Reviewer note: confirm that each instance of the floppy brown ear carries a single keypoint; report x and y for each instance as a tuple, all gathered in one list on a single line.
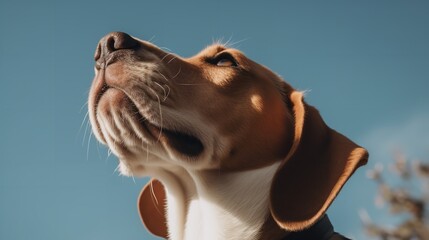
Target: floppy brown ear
[(151, 205), (319, 163)]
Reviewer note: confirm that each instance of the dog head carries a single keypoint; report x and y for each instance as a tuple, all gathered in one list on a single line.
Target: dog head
[(217, 110)]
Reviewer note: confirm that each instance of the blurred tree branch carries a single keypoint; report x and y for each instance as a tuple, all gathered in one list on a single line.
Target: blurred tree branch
[(399, 200)]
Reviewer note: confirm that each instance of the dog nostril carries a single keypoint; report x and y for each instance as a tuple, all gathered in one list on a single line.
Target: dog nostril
[(112, 42), (119, 40)]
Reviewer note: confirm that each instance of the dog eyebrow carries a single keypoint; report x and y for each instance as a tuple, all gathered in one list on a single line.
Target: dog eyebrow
[(212, 50)]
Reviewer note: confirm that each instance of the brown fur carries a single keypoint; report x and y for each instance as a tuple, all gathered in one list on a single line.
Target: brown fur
[(253, 116)]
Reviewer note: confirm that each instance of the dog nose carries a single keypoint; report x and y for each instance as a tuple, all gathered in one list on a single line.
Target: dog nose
[(112, 42)]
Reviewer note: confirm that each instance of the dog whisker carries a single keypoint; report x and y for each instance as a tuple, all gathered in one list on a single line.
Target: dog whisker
[(159, 85), (237, 42), (160, 117), (83, 106), (153, 193), (165, 48), (87, 147), (165, 92), (168, 93), (217, 41), (85, 120), (178, 72), (86, 127), (228, 43), (166, 79), (116, 170), (171, 60), (151, 39), (154, 198), (165, 56), (98, 150), (132, 176), (108, 156), (229, 40), (160, 112)]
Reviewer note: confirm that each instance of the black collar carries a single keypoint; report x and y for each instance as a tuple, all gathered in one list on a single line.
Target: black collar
[(321, 230)]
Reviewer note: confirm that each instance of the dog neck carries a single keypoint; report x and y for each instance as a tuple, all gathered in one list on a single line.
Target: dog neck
[(216, 205)]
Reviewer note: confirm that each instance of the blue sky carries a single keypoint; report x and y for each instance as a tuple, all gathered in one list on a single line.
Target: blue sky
[(365, 64)]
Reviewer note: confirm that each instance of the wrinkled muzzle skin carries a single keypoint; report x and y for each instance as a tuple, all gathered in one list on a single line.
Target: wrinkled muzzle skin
[(217, 110)]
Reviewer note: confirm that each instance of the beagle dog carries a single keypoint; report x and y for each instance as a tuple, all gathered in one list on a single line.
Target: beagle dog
[(234, 151)]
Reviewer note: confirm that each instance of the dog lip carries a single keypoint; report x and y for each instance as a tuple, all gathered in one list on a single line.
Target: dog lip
[(144, 122), (184, 143), (181, 141), (104, 61), (139, 118), (97, 90), (99, 65)]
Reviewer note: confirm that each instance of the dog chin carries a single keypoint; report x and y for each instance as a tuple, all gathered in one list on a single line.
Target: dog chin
[(131, 171)]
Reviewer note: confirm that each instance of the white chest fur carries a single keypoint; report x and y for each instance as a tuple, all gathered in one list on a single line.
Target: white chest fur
[(215, 205)]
